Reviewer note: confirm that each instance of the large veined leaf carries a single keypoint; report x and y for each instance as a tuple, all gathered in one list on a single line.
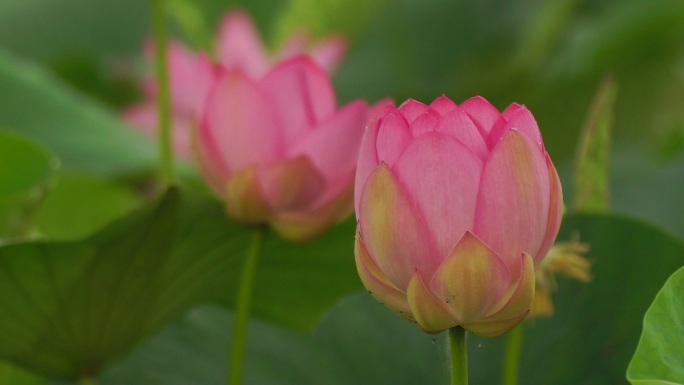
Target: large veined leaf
[(88, 201), (81, 133), (69, 309), (659, 358), (588, 341), (26, 169), (23, 164)]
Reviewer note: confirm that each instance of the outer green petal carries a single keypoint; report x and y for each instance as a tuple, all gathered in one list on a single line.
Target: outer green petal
[(377, 283), (431, 313), (472, 279), (291, 184), (244, 201), (521, 299), (308, 224)]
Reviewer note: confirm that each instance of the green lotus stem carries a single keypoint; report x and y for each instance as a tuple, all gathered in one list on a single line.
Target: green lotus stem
[(242, 307), (513, 352), (163, 97), (458, 347)]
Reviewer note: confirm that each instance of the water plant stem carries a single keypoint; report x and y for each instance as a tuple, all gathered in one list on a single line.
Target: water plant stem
[(242, 307), (163, 98), (511, 367), (459, 355)]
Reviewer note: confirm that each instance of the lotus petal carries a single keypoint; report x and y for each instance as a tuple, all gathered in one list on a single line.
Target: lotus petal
[(396, 235)]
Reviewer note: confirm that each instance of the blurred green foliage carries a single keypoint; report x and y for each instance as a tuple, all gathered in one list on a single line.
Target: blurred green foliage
[(590, 339), (80, 131), (12, 374), (592, 169)]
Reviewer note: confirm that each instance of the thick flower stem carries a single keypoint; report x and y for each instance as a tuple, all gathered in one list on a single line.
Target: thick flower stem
[(512, 361), (163, 97), (242, 307), (459, 355)]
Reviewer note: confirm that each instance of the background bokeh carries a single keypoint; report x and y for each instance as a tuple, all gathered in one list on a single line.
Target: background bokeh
[(549, 55)]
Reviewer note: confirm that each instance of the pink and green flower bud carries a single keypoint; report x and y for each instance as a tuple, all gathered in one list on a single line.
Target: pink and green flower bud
[(278, 150), (456, 204), (238, 45)]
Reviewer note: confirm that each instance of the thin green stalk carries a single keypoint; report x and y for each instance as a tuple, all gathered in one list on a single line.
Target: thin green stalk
[(242, 307), (511, 367), (458, 346), (163, 97)]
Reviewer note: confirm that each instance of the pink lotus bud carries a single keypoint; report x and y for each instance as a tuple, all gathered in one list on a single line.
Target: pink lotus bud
[(239, 45), (278, 150), (455, 206)]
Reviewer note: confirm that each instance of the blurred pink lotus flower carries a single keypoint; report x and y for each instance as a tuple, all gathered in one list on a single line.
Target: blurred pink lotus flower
[(238, 46), (455, 206), (278, 150)]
